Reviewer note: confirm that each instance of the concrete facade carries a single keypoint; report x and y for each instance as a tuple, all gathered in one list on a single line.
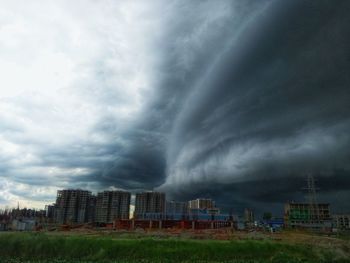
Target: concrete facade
[(173, 207), (341, 222), (72, 206), (23, 225), (112, 205), (201, 203), (3, 226), (248, 215), (305, 215), (149, 202)]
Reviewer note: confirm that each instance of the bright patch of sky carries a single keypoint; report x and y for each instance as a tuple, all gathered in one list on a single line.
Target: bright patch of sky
[(65, 67)]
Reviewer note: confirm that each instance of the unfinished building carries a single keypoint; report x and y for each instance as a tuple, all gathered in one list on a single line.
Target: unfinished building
[(149, 202), (201, 203), (72, 206), (341, 222), (173, 207), (112, 205), (305, 215), (91, 214)]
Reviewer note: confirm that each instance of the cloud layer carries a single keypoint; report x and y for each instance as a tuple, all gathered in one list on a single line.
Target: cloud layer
[(232, 100)]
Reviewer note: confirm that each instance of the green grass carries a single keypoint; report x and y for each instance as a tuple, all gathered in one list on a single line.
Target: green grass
[(35, 247)]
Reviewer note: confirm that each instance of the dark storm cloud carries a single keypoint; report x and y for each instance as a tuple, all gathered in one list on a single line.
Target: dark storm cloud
[(246, 98), (194, 35), (270, 193), (243, 113), (139, 166), (274, 104)]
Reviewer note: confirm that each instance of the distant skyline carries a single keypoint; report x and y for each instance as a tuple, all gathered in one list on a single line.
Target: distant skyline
[(231, 100)]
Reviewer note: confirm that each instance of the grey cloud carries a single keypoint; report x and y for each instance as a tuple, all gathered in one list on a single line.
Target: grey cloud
[(185, 48), (247, 97), (3, 200), (269, 193), (264, 90), (276, 101)]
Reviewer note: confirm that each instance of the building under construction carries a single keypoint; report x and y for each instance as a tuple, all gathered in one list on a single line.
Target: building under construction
[(174, 207), (310, 214), (112, 205), (149, 202), (201, 203), (203, 206), (305, 215), (108, 208), (341, 221), (91, 215), (72, 206)]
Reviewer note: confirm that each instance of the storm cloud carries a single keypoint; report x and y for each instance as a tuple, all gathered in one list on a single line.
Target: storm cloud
[(233, 100)]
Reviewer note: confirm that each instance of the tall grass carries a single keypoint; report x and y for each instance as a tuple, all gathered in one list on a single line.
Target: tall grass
[(21, 247)]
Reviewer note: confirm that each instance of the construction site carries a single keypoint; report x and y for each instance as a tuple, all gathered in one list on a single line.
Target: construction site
[(111, 210)]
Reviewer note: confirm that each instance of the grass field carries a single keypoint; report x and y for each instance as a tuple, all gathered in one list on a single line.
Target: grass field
[(41, 247)]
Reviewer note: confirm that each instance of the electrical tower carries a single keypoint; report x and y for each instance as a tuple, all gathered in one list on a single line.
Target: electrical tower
[(314, 214)]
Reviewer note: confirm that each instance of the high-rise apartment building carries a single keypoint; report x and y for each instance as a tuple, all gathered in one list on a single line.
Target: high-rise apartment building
[(91, 209), (72, 206), (111, 205), (149, 202)]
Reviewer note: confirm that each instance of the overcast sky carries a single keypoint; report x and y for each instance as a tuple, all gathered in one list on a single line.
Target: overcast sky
[(228, 99)]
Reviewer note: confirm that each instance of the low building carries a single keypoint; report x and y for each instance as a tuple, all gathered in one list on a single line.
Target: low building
[(341, 222), (239, 222), (210, 214), (3, 226), (193, 215), (213, 211), (23, 225), (305, 215), (273, 224)]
